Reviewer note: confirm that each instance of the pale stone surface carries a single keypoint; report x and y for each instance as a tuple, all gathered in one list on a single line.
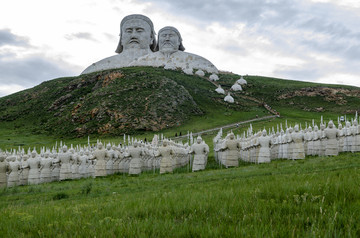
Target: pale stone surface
[(166, 153), (298, 150), (316, 140), (214, 77), (236, 87), (14, 168), (200, 151), (341, 137), (200, 73), (348, 137), (171, 55), (264, 142), (137, 38), (110, 158), (309, 140), (65, 158), (34, 173), (99, 156), (241, 81), (332, 145), (135, 153), (232, 148), (3, 169), (46, 166), (55, 173), (24, 170), (229, 98), (355, 131), (220, 90)]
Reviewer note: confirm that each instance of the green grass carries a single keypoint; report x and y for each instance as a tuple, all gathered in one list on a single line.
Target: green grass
[(316, 197)]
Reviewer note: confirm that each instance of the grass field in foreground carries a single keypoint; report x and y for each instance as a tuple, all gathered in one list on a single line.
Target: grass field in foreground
[(316, 197)]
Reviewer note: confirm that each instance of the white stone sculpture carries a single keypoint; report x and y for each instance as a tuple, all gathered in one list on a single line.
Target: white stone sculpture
[(171, 54), (264, 142), (166, 153), (214, 77), (220, 90), (24, 175), (232, 148), (236, 87), (65, 158), (55, 173), (135, 153), (309, 140), (298, 150), (14, 168), (229, 98), (200, 73), (45, 168), (83, 164), (341, 137), (241, 81), (110, 158), (137, 38), (200, 151), (99, 156), (355, 131), (34, 173), (332, 145), (348, 137), (4, 166), (316, 141), (323, 140)]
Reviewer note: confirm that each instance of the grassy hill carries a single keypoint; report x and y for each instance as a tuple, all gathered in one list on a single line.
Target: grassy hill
[(145, 100), (315, 197)]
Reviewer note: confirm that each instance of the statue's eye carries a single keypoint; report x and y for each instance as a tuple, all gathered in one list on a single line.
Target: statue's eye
[(128, 30), (139, 29)]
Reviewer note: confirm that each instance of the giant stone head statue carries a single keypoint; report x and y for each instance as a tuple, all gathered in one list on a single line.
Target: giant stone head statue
[(136, 32), (169, 40)]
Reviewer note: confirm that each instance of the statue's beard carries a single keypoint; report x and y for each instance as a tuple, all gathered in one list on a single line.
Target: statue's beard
[(168, 48)]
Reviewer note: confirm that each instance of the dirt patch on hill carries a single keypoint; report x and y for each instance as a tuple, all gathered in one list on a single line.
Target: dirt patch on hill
[(337, 95)]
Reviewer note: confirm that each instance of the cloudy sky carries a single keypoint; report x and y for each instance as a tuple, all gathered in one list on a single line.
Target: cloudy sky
[(310, 40)]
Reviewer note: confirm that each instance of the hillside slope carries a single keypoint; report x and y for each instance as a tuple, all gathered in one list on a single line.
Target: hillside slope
[(138, 99)]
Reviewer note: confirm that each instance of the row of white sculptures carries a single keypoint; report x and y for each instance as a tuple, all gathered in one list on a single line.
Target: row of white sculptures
[(19, 168), (293, 143)]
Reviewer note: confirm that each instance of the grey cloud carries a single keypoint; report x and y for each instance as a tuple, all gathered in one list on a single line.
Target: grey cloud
[(80, 35), (32, 70), (8, 38)]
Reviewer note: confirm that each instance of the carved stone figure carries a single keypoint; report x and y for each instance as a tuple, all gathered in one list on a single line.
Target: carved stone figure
[(55, 173), (310, 143), (137, 38), (220, 90), (316, 140), (232, 148), (166, 153), (65, 161), (99, 155), (110, 157), (229, 98), (332, 145), (341, 137), (24, 175), (83, 167), (355, 131), (264, 142), (34, 173), (45, 169), (200, 151), (348, 137), (171, 55), (298, 150), (3, 169), (14, 168), (135, 153)]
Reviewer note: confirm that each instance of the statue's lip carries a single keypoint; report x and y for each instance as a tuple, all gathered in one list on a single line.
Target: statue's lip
[(134, 41)]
